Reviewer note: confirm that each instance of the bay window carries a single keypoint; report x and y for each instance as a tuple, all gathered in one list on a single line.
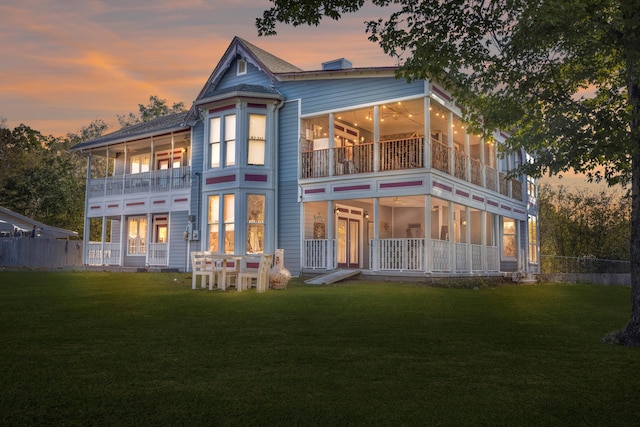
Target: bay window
[(229, 217), (255, 223), (214, 222), (222, 140), (257, 137)]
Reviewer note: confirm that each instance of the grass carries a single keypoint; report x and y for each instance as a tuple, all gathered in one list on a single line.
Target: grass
[(140, 349)]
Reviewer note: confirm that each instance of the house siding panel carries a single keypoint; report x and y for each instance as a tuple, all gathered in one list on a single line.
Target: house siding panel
[(177, 244), (288, 207), (198, 150), (325, 95), (253, 77)]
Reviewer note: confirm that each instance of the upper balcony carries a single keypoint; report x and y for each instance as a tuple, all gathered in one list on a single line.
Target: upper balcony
[(165, 180), (406, 153)]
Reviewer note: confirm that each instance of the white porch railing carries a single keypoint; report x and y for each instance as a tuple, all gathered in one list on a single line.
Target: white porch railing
[(99, 253), (477, 263), (152, 181), (401, 254), (493, 258), (440, 255), (408, 255), (462, 263), (158, 254), (319, 253)]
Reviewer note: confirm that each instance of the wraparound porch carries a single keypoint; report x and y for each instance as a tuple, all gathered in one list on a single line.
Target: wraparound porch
[(409, 255)]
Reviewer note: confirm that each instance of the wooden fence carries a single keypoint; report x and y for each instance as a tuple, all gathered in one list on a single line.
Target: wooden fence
[(39, 253)]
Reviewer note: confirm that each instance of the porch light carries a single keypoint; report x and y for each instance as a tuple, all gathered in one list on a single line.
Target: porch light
[(336, 211), (366, 215)]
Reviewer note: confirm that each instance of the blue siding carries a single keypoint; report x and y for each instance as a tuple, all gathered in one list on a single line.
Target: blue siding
[(254, 76), (289, 237), (198, 150), (177, 244), (323, 95)]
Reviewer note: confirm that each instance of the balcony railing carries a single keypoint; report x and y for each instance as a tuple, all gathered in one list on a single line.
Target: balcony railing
[(152, 181), (398, 154), (440, 158), (401, 154)]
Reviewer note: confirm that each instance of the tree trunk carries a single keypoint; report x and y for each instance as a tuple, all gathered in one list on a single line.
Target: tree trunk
[(631, 334)]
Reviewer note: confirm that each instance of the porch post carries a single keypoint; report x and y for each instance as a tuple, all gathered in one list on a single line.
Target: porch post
[(124, 239), (86, 238), (483, 172), (467, 160), (376, 138), (467, 237), (452, 245), (428, 255), (106, 175), (148, 242), (452, 154), (376, 235), (332, 145), (483, 239), (427, 132), (103, 239), (330, 236)]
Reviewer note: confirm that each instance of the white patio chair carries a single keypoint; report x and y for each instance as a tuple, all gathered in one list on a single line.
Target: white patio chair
[(200, 268), (247, 275)]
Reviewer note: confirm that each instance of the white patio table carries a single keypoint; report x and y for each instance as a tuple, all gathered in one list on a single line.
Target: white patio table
[(223, 270)]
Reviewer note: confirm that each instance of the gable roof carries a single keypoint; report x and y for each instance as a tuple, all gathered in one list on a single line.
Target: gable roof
[(160, 125), (263, 60), (269, 62)]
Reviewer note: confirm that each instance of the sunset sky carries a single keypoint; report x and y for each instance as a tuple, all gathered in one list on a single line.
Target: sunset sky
[(66, 63)]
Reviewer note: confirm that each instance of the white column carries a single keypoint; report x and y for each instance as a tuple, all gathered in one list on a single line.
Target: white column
[(452, 154), (428, 255), (332, 144), (376, 138), (452, 245), (427, 132), (375, 265), (86, 238)]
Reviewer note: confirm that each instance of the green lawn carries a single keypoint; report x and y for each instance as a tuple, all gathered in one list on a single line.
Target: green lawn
[(144, 349)]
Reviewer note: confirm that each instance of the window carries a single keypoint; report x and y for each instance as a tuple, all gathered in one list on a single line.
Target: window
[(230, 139), (257, 137), (214, 222), (255, 224), (214, 142), (242, 67), (137, 235), (509, 238), (533, 239), (225, 131), (229, 216), (140, 163)]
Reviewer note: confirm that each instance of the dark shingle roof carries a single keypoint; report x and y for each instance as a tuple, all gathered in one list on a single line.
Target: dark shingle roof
[(170, 122), (271, 62)]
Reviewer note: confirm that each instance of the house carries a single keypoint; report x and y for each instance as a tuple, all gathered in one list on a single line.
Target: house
[(341, 167), (14, 225)]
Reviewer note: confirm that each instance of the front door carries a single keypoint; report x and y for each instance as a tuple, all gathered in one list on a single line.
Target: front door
[(348, 233)]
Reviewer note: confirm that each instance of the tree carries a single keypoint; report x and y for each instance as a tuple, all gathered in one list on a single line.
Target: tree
[(583, 223), (155, 108), (40, 178), (562, 76)]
